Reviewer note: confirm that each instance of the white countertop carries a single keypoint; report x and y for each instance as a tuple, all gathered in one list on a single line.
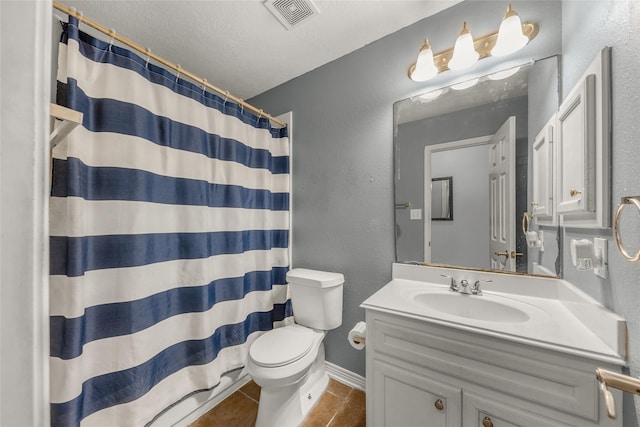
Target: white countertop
[(560, 317)]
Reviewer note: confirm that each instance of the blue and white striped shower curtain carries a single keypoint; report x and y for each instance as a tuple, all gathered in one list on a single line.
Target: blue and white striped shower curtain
[(169, 237)]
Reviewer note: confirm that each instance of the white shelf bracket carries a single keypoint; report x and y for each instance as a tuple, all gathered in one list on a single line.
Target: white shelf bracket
[(70, 120)]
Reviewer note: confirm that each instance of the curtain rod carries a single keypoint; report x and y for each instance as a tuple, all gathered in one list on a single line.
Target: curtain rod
[(111, 33)]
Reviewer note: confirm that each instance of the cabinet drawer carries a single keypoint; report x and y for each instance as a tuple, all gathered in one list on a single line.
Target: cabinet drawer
[(480, 412), (550, 380)]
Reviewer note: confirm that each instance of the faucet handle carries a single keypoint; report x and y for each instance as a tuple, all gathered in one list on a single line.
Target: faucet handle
[(475, 290), (453, 287)]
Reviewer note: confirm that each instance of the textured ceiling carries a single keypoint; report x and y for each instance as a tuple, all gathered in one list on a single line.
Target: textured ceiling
[(241, 47)]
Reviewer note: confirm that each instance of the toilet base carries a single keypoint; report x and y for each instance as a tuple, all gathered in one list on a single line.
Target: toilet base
[(289, 405)]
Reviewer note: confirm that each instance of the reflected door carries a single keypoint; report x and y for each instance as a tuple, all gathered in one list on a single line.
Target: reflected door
[(502, 197)]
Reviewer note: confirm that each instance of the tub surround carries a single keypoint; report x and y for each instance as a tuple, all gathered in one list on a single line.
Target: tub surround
[(527, 356)]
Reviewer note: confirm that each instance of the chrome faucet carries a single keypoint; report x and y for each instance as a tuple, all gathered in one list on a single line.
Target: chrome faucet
[(475, 290), (465, 287), (453, 286)]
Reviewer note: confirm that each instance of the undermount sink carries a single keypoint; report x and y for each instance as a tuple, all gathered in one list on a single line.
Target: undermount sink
[(485, 308)]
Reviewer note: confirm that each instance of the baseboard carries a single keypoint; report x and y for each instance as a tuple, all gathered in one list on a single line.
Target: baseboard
[(345, 376)]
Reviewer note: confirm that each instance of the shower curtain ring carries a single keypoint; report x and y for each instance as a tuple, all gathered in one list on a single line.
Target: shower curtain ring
[(112, 34), (260, 115), (241, 106), (178, 67), (204, 86), (146, 63), (226, 96)]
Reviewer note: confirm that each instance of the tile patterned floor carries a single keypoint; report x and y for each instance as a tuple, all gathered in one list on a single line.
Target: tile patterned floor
[(339, 406)]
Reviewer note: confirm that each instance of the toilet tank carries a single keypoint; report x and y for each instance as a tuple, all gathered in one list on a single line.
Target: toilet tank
[(316, 298)]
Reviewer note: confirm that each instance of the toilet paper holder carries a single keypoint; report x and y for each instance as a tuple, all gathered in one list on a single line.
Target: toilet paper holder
[(359, 340)]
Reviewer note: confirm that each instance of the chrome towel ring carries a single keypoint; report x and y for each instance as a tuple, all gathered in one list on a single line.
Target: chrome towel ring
[(627, 200)]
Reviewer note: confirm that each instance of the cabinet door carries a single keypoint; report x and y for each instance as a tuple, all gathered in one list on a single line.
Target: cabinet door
[(405, 398), (577, 150), (481, 411), (542, 177)]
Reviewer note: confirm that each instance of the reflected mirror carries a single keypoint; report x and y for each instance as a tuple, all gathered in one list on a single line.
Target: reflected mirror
[(478, 137)]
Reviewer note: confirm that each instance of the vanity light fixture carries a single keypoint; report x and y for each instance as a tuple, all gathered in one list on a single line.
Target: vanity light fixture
[(467, 51), (424, 68), (464, 52), (510, 35)]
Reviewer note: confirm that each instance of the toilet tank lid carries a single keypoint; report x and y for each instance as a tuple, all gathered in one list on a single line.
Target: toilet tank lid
[(320, 279)]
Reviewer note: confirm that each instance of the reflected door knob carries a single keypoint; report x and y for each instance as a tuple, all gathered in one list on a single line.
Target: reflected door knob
[(439, 405), (505, 253), (486, 422), (573, 192), (515, 254)]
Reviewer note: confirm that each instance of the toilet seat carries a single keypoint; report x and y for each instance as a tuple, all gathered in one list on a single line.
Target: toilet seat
[(281, 346)]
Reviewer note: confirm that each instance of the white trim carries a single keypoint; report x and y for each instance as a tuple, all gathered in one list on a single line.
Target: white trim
[(24, 337), (288, 119), (345, 376)]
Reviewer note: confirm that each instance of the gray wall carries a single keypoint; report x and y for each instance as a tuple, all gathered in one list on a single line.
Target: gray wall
[(343, 148), (614, 23)]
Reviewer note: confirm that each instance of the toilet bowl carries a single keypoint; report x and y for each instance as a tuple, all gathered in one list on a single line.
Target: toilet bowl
[(288, 362), (291, 376)]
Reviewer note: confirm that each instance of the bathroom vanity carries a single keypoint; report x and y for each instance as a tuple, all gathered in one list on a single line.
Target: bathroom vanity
[(523, 353)]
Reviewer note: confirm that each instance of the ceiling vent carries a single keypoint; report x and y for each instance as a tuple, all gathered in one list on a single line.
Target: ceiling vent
[(292, 13)]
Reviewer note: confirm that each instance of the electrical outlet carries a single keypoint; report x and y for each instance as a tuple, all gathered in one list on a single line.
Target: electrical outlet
[(600, 248)]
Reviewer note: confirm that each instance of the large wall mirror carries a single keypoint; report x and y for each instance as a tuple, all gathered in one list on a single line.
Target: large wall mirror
[(480, 136)]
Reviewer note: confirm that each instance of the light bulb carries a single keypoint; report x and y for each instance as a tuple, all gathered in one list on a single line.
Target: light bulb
[(424, 68), (464, 52), (510, 36)]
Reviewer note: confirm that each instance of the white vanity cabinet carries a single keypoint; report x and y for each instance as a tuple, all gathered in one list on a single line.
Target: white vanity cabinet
[(543, 174), (577, 149), (583, 148), (427, 374)]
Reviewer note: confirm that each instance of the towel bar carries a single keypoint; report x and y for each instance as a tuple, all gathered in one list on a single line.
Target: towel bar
[(627, 200), (612, 379)]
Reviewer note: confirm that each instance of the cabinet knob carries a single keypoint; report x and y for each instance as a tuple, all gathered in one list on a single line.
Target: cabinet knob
[(439, 405), (573, 192), (486, 422)]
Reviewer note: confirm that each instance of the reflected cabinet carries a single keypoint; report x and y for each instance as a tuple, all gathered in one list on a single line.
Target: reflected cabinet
[(571, 155)]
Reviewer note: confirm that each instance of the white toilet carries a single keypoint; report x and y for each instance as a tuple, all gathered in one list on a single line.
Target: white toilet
[(288, 362)]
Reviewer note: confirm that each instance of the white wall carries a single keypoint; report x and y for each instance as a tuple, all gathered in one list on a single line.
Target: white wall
[(25, 49)]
